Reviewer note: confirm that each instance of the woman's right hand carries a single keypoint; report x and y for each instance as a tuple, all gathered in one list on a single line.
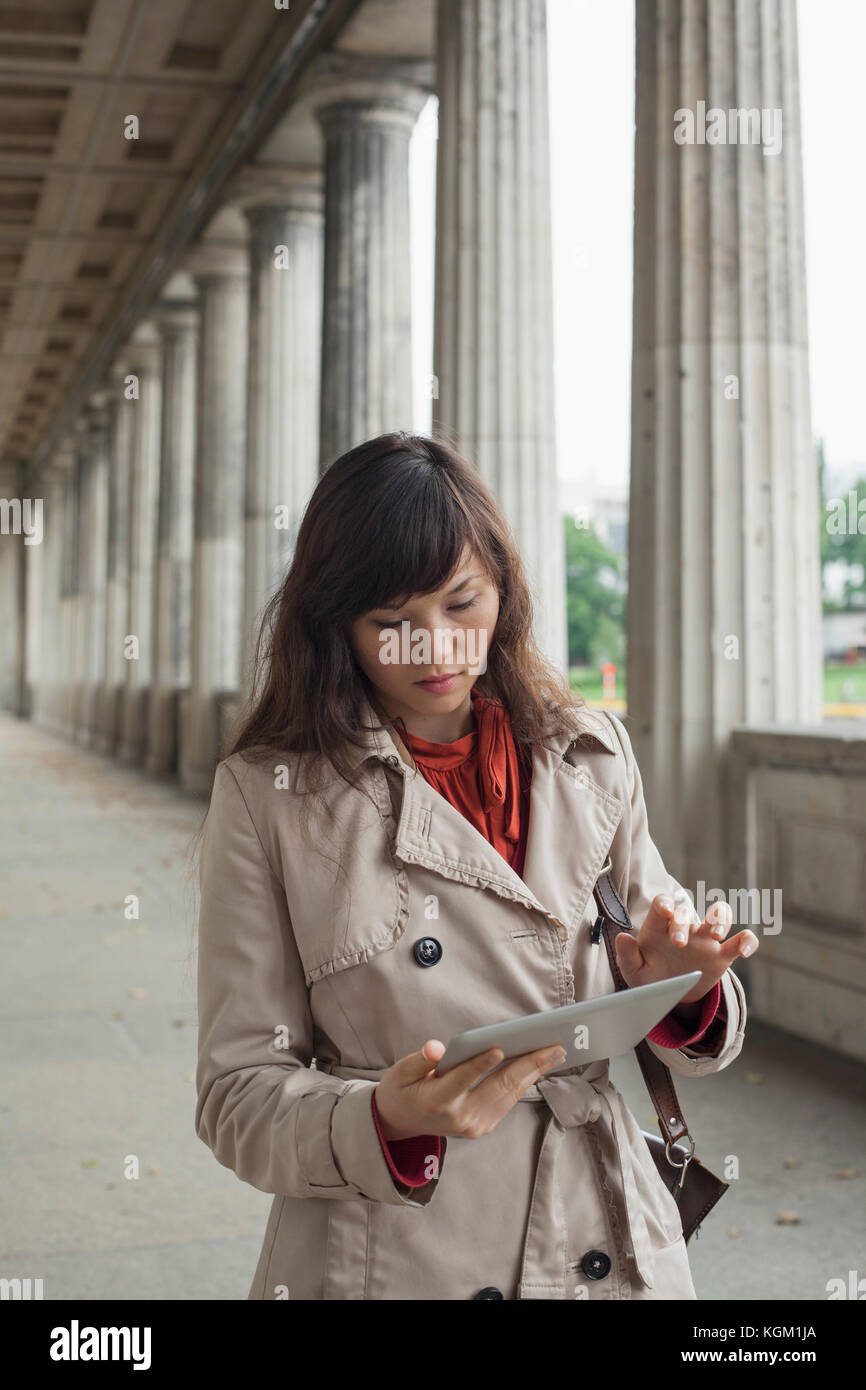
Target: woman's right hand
[(410, 1100)]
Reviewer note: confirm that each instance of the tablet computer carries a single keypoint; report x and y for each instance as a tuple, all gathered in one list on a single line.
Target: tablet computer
[(589, 1031)]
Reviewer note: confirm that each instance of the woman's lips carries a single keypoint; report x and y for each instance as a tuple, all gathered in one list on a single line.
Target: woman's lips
[(438, 685)]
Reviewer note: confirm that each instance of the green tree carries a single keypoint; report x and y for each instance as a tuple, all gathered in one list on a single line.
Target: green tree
[(843, 534), (595, 589)]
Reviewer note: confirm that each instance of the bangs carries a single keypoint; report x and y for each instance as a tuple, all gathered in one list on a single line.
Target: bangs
[(415, 538)]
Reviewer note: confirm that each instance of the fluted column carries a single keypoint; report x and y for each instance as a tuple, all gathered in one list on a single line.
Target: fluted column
[(493, 316), (79, 579), (70, 644), (144, 361), (93, 557), (724, 577), (122, 416), (47, 560), (177, 321), (285, 344), (13, 594), (367, 312), (217, 585)]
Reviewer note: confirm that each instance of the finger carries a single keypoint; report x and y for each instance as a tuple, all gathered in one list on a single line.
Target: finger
[(672, 917), (420, 1064), (743, 944), (505, 1087), (717, 922), (629, 956), (459, 1079), (657, 922)]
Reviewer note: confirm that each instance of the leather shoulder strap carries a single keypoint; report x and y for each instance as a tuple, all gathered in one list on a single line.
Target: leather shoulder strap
[(659, 1082)]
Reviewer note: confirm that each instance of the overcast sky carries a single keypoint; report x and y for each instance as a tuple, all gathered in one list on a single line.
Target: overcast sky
[(591, 64)]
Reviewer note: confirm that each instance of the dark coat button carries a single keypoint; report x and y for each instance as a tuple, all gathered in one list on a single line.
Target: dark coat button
[(595, 1264), (427, 951), (489, 1292)]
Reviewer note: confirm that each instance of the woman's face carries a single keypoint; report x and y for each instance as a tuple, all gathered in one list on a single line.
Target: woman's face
[(448, 633)]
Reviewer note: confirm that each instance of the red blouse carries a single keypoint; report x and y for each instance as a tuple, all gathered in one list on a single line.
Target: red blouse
[(485, 776)]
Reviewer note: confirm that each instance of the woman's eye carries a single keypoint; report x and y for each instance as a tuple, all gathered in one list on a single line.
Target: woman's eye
[(395, 622)]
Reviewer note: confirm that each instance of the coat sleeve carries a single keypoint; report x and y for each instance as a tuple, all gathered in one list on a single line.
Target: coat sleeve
[(280, 1124), (646, 876)]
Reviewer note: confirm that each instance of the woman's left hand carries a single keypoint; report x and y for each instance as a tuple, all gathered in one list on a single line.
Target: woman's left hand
[(671, 943)]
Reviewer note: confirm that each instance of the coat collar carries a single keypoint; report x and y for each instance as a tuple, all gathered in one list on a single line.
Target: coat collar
[(383, 744), (568, 808)]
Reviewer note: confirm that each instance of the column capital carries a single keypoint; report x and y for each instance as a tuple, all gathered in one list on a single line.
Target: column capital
[(142, 351), (298, 189), (96, 411), (176, 318), (218, 260), (350, 89)]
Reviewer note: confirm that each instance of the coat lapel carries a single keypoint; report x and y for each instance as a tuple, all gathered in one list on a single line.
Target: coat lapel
[(571, 826)]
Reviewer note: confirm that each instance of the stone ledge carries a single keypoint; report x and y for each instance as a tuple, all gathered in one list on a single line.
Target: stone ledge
[(836, 745)]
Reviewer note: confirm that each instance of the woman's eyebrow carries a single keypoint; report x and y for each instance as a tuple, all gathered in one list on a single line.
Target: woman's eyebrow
[(457, 587), (462, 585)]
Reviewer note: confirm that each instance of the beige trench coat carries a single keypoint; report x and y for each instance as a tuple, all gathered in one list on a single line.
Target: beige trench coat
[(309, 990)]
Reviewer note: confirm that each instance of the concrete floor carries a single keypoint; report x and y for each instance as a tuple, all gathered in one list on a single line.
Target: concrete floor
[(98, 1059)]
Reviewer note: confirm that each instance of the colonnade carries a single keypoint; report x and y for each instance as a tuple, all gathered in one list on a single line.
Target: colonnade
[(282, 340)]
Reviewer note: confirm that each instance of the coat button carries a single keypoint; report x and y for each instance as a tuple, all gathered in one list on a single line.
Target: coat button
[(489, 1292), (595, 1264), (427, 951)]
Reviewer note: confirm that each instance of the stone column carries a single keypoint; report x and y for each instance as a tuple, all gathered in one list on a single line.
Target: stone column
[(46, 571), (177, 321), (93, 556), (367, 311), (13, 592), (285, 345), (724, 577), (69, 637), (493, 315), (80, 635), (33, 558), (144, 360), (122, 414), (221, 274)]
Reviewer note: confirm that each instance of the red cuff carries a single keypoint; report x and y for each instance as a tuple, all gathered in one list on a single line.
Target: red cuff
[(671, 1033), (413, 1155)]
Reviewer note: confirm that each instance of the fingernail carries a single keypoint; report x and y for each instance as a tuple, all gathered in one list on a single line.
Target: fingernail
[(666, 904), (680, 936), (747, 948), (556, 1058)]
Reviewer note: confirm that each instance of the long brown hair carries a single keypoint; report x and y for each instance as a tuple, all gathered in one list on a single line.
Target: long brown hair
[(390, 518)]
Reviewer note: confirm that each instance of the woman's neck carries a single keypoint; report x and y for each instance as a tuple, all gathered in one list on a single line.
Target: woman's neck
[(447, 727)]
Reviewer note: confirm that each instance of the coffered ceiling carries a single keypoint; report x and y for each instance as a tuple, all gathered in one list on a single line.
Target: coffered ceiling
[(91, 221)]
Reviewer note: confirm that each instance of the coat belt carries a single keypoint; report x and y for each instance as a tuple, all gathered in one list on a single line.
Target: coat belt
[(573, 1099)]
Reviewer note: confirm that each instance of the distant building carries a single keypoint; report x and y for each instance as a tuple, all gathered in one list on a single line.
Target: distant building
[(603, 508)]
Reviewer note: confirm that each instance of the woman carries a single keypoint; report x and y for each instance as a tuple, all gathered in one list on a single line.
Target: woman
[(400, 846)]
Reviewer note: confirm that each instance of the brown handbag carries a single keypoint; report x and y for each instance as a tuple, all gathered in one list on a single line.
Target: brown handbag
[(694, 1188)]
